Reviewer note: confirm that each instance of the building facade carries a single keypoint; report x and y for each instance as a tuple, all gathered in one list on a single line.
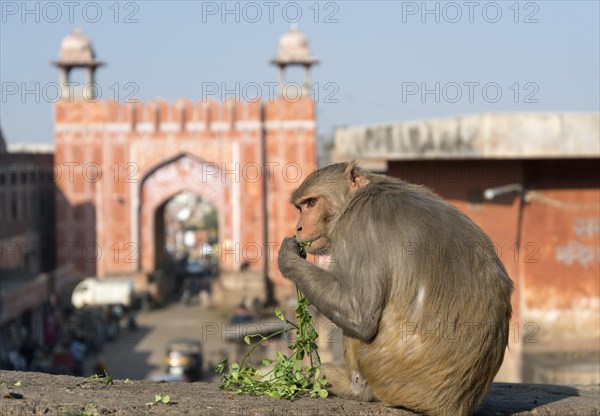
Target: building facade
[(27, 242)]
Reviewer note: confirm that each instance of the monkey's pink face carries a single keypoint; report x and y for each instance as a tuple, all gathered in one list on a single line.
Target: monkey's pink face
[(310, 229)]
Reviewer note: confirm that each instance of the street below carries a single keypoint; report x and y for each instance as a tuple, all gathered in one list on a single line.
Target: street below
[(139, 353)]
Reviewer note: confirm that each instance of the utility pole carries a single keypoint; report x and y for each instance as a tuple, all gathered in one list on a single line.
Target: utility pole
[(269, 287)]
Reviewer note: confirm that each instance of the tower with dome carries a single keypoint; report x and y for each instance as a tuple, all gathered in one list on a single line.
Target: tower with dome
[(294, 50), (76, 51)]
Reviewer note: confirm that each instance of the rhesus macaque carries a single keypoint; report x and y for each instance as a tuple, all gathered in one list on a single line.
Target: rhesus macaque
[(417, 288)]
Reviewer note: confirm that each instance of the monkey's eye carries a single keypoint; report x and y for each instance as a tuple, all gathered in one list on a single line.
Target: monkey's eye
[(311, 202)]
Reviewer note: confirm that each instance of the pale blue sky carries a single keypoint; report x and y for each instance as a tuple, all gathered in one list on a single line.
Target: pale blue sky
[(374, 52)]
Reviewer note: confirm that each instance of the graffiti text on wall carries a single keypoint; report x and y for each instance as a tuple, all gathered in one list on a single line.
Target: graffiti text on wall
[(577, 252)]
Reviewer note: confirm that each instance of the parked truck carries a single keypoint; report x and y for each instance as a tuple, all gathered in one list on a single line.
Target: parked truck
[(96, 292)]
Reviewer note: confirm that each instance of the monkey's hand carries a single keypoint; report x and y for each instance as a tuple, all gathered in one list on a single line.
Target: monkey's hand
[(290, 258)]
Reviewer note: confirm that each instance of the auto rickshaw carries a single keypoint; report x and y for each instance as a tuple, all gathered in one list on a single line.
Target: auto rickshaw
[(184, 358)]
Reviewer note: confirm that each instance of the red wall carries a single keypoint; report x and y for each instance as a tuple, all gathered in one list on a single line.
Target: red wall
[(556, 272), (127, 143)]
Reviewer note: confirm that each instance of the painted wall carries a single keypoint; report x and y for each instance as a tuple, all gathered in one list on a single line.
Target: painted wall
[(556, 269)]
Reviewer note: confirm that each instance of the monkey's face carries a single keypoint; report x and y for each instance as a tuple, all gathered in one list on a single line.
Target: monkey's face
[(311, 227)]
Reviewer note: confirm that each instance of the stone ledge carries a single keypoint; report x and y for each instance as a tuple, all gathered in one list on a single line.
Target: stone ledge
[(516, 135), (44, 394)]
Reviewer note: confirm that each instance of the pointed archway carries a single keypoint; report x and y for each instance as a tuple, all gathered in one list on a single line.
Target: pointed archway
[(173, 176)]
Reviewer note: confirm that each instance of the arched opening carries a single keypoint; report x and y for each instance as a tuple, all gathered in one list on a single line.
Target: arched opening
[(79, 83), (169, 182), (186, 229)]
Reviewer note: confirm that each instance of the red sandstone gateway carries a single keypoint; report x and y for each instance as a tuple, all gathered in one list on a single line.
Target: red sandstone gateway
[(121, 162)]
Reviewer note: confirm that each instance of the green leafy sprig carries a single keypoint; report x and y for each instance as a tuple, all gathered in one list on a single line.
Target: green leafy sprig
[(285, 377), (106, 378)]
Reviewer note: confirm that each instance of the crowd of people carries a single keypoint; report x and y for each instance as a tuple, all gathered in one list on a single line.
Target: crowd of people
[(65, 340)]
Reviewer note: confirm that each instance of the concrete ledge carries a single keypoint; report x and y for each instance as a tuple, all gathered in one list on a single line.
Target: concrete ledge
[(519, 135), (44, 394)]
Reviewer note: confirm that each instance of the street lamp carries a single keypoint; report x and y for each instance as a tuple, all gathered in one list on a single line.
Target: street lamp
[(492, 193)]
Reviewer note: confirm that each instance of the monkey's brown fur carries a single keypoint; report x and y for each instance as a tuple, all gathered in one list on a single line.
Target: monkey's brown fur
[(416, 286)]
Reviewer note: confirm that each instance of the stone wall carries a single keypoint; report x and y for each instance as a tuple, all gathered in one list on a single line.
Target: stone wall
[(39, 393), (119, 163)]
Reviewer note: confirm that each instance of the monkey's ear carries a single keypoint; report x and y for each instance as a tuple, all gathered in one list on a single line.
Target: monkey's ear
[(357, 178)]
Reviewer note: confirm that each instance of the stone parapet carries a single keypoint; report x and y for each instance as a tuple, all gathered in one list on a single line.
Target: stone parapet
[(181, 115), (46, 394), (475, 136)]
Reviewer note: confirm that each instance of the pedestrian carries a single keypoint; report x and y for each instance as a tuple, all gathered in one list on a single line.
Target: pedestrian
[(78, 353), (17, 361), (100, 367)]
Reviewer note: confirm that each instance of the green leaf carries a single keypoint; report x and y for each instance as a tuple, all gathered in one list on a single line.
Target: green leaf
[(166, 399), (157, 398), (221, 366), (247, 339), (275, 395), (279, 313), (323, 393)]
